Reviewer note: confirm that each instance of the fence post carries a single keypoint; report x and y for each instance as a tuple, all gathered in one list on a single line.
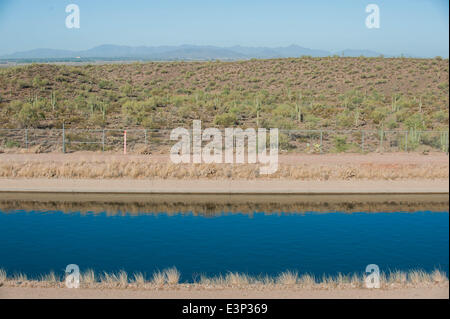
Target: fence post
[(124, 142), (103, 140), (381, 141), (26, 138), (145, 136), (63, 139), (321, 142), (446, 142), (362, 141), (406, 141)]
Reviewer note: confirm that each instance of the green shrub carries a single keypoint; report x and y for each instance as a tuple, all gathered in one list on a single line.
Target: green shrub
[(97, 120), (24, 84), (186, 111), (413, 139), (431, 139), (103, 84), (11, 144), (37, 82), (392, 124), (29, 115), (345, 119), (225, 119), (443, 85), (279, 122), (283, 141), (127, 90), (441, 117), (133, 112), (284, 110), (311, 121), (340, 144), (415, 122), (379, 114)]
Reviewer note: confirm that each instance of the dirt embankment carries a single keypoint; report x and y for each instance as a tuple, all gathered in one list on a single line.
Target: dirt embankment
[(232, 293)]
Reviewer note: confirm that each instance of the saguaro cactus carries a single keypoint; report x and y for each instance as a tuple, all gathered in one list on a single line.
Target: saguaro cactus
[(298, 108), (258, 110), (53, 100)]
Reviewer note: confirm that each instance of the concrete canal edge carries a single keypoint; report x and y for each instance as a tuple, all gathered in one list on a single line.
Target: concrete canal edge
[(268, 186)]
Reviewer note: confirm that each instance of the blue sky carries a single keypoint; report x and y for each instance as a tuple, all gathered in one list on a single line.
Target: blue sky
[(416, 27)]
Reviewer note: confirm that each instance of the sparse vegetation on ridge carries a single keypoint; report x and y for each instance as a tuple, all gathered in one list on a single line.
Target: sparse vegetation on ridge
[(305, 93)]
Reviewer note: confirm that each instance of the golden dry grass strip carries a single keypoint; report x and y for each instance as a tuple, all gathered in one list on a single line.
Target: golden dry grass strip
[(141, 169), (170, 278)]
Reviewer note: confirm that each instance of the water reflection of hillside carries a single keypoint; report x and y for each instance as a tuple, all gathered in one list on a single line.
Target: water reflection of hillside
[(211, 205)]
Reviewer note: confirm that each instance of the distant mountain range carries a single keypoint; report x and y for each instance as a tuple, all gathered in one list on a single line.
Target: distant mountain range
[(182, 52)]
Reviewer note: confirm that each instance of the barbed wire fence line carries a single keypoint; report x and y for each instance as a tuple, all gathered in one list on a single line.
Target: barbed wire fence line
[(294, 141)]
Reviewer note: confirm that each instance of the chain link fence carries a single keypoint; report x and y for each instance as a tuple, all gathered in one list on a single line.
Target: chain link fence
[(158, 140)]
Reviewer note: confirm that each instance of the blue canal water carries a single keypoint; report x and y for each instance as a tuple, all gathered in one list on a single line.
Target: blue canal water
[(37, 242)]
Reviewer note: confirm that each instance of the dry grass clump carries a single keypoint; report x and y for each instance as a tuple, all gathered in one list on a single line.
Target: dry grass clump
[(123, 278), (218, 281), (141, 169), (50, 278), (287, 278), (398, 277), (356, 281), (237, 280), (438, 277), (417, 277), (159, 278), (172, 275), (3, 275), (307, 281), (20, 278), (341, 281), (88, 278), (267, 280), (119, 279), (108, 279), (139, 279)]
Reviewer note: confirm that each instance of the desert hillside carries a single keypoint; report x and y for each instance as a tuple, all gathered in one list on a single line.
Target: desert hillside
[(302, 93)]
